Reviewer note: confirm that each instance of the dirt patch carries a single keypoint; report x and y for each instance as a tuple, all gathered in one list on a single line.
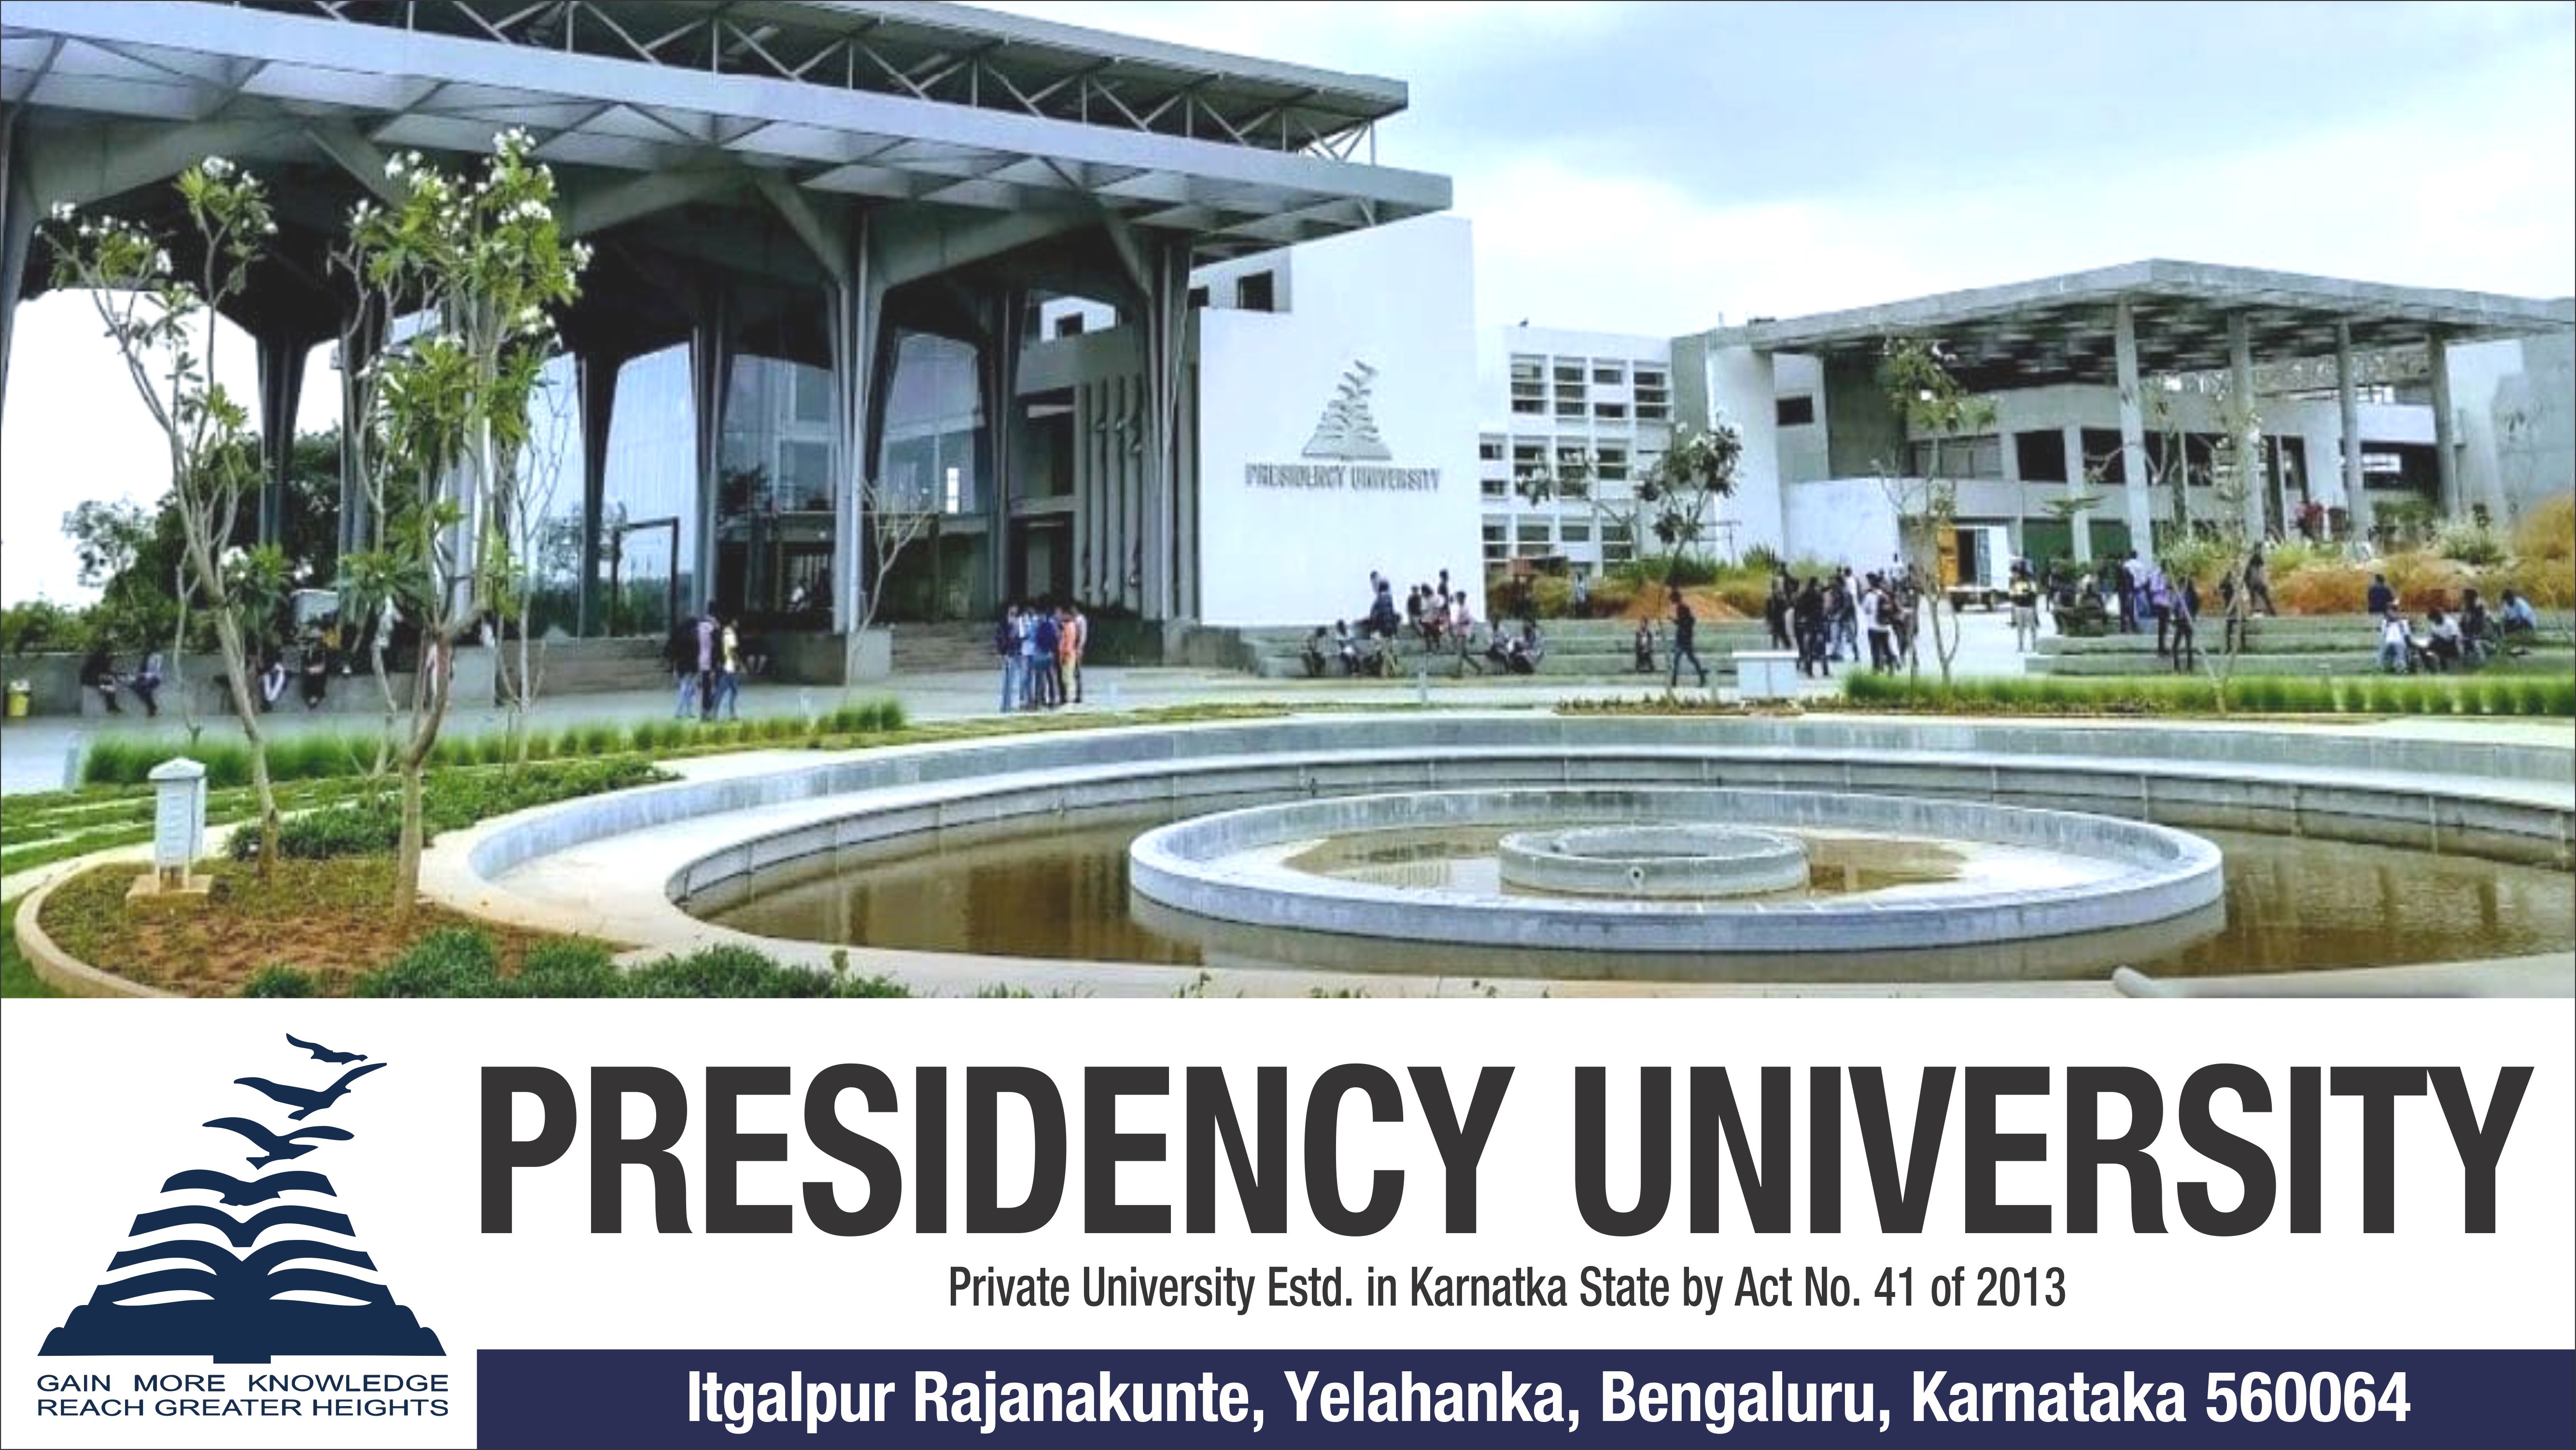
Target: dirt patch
[(334, 918)]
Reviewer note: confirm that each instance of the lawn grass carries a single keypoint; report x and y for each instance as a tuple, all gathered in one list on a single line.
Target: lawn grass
[(17, 975), (334, 918)]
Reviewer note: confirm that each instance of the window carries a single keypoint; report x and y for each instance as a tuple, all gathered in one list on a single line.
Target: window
[(1489, 448), (1069, 325), (804, 477), (813, 395), (1610, 412), (1257, 292), (1609, 373), (1569, 374), (1528, 457), (1533, 537), (1574, 531), (1496, 488), (2041, 456), (1617, 545), (1497, 541), (1976, 457), (1798, 410), (1198, 297), (1610, 464), (2102, 454)]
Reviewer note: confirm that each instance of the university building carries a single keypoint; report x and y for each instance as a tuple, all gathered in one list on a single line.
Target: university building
[(1152, 327)]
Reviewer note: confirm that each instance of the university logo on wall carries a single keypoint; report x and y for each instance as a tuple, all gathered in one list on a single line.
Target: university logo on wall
[(278, 1275), (1348, 431)]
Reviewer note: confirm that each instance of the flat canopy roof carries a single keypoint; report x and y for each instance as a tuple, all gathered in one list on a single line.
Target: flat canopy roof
[(2059, 329), (943, 105)]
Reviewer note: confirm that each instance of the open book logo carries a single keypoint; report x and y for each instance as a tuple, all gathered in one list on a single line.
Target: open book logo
[(241, 1269), (1348, 430)]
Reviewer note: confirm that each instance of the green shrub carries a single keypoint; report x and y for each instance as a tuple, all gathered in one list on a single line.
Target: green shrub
[(280, 980), (368, 826), (566, 969), (2539, 696), (2473, 544), (452, 962), (724, 972)]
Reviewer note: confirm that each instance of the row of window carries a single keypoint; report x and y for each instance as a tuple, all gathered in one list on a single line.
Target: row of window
[(1532, 538)]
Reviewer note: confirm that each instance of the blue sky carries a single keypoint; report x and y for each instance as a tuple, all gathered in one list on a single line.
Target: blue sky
[(1657, 167)]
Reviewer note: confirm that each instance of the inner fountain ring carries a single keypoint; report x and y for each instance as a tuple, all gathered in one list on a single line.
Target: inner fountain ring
[(1661, 861), (1198, 867)]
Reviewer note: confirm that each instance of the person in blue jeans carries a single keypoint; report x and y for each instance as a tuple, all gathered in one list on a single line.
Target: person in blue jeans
[(1006, 643)]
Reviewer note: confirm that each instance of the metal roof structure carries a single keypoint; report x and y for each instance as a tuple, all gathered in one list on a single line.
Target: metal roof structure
[(927, 103), (2060, 329), (740, 142)]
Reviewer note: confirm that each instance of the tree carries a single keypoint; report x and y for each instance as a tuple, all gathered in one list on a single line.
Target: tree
[(460, 282), (164, 328), (892, 521), (1921, 391), (1675, 501)]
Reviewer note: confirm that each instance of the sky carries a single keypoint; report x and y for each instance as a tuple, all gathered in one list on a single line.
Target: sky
[(1661, 168)]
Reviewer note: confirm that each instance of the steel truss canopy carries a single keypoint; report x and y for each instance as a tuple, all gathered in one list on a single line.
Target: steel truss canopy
[(2060, 329), (943, 106)]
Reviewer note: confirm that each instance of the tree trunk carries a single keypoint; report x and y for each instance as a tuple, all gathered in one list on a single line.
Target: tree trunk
[(237, 681), (407, 854)]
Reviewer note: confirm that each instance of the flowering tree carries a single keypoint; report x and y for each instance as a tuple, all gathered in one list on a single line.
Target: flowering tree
[(1675, 501), (164, 327), (1921, 391), (462, 276)]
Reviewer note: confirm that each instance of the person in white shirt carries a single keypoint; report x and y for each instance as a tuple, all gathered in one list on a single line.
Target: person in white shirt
[(2394, 643)]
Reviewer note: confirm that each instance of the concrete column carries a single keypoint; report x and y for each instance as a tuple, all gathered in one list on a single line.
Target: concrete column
[(595, 383), (281, 388), (857, 302), (2079, 525), (2446, 444), (1743, 390), (360, 336), (2248, 440), (999, 352), (1086, 503), (18, 209), (1164, 315), (2348, 404), (2133, 431), (710, 369)]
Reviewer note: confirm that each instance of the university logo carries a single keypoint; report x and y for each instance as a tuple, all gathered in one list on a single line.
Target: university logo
[(239, 1276), (1347, 431)]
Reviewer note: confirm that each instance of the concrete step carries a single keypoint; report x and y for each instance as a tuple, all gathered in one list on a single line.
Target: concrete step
[(2311, 663)]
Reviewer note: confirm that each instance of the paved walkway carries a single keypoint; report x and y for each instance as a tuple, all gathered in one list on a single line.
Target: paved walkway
[(35, 755)]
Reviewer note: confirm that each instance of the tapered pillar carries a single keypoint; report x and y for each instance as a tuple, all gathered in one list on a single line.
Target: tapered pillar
[(857, 302), (2356, 495), (710, 368), (17, 232), (595, 381), (360, 337), (2133, 431), (2079, 525), (1165, 315), (997, 466), (281, 388), (2446, 450), (2243, 425)]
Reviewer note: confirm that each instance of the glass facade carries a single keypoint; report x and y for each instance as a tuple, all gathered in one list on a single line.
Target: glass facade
[(774, 518)]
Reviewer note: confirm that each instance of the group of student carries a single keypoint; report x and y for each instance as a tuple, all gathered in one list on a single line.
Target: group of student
[(706, 656), (320, 655), (2450, 641), (1436, 615), (1827, 619), (1041, 648)]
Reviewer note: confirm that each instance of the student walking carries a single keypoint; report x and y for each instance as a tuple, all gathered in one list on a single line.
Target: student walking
[(1073, 636), (1685, 645), (1006, 643)]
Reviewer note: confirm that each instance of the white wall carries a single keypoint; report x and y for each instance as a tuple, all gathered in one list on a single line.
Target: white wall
[(1841, 521), (1400, 298), (1742, 390), (2515, 404)]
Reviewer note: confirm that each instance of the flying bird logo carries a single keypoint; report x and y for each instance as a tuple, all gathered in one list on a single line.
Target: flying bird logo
[(307, 1101), (171, 1290), (324, 1054)]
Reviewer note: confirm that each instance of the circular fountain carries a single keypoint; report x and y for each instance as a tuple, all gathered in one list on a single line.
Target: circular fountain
[(2013, 874), (1654, 861)]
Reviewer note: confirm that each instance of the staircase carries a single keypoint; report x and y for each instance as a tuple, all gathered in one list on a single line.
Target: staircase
[(600, 666), (930, 649), (1601, 649)]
